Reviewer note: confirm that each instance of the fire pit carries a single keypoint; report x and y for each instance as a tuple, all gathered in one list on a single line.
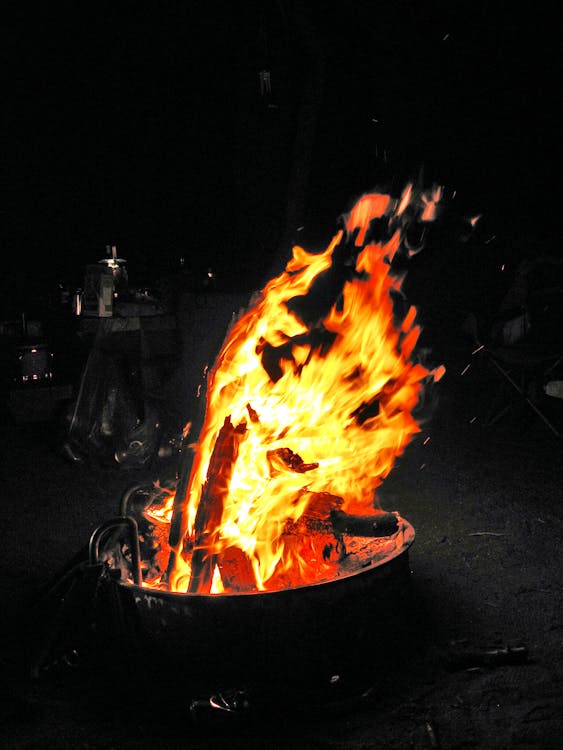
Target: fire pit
[(319, 640), (269, 560)]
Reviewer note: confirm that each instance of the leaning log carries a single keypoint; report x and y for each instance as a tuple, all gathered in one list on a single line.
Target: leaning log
[(178, 521), (210, 508)]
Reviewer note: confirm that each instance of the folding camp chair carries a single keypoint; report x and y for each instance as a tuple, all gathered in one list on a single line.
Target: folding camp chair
[(523, 345)]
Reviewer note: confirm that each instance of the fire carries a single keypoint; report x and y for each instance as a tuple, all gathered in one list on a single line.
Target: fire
[(309, 403)]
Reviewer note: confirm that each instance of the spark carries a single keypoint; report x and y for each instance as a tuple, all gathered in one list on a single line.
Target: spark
[(475, 351), (426, 440), (465, 369)]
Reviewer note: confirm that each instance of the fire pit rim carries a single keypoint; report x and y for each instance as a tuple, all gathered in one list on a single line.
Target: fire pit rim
[(407, 531)]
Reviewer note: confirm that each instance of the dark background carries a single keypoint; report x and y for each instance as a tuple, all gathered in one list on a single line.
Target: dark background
[(144, 126)]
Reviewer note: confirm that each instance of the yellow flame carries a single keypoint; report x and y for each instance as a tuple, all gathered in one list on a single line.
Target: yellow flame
[(345, 406)]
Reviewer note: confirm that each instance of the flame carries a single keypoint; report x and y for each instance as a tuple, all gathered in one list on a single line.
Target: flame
[(338, 393), (430, 204)]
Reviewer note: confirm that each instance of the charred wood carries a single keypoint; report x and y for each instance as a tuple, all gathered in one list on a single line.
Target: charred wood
[(254, 418), (178, 521), (237, 574), (381, 524), (210, 508), (317, 517), (286, 458)]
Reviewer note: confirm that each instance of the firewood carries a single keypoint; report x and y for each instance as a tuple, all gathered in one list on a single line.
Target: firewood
[(322, 504), (178, 521), (254, 418), (236, 570), (210, 508), (286, 458), (380, 524), (307, 525), (317, 516), (312, 535)]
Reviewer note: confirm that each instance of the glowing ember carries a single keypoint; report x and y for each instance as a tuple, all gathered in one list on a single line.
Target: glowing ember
[(309, 403)]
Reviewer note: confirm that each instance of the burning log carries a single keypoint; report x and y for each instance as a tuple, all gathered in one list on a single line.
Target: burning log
[(316, 519), (254, 418), (324, 528), (286, 458), (381, 524), (324, 514), (236, 571), (178, 521), (210, 508), (312, 535)]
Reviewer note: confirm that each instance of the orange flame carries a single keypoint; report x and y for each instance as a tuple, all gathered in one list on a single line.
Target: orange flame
[(339, 392)]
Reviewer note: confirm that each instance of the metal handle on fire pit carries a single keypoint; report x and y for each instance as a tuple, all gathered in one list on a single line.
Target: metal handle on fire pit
[(130, 492), (111, 525)]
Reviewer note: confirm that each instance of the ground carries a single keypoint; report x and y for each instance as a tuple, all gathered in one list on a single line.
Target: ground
[(487, 507)]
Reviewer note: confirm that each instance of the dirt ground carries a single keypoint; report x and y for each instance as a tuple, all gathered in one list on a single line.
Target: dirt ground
[(487, 507)]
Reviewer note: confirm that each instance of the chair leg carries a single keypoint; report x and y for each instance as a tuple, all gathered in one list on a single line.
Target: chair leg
[(522, 390), (498, 415)]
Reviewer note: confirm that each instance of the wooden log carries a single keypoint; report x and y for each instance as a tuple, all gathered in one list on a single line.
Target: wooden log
[(322, 504), (254, 418), (317, 517), (286, 458), (380, 524), (324, 523), (178, 521), (313, 534), (237, 573), (210, 508), (307, 526)]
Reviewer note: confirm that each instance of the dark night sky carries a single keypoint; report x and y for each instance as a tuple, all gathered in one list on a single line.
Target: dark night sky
[(125, 123)]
